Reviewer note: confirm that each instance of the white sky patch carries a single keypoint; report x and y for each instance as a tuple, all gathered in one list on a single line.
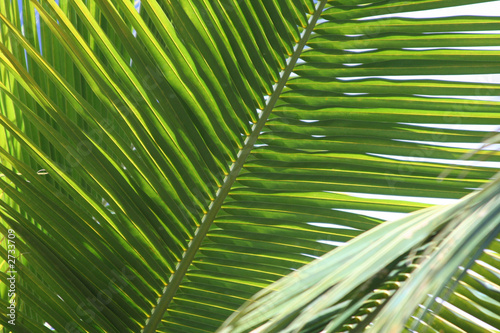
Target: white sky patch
[(360, 50), (300, 61), (466, 315), (486, 164), (470, 78), (425, 200), (491, 8), (331, 225), (386, 216), (462, 127), (463, 145), (322, 20), (310, 255), (474, 98), (329, 242), (472, 48), (46, 324), (484, 281), (489, 267), (486, 32), (491, 252)]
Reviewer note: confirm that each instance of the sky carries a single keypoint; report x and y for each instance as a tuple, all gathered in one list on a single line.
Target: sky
[(491, 8)]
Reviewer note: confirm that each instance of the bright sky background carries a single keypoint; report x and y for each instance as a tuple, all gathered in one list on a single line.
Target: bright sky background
[(491, 8)]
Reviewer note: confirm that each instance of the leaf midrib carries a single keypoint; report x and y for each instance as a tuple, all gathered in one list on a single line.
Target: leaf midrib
[(207, 220)]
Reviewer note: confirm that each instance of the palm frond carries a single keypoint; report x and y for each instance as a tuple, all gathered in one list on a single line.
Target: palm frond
[(163, 162), (365, 279)]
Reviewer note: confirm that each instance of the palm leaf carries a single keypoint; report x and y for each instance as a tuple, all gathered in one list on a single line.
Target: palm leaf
[(337, 290), (163, 162)]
